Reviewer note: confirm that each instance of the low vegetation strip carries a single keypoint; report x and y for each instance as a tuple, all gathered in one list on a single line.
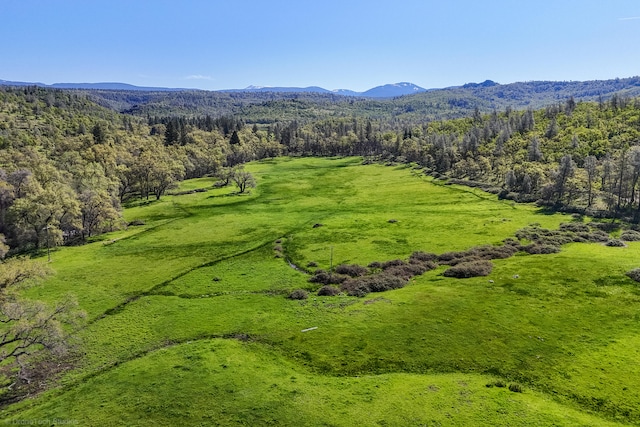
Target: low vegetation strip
[(357, 280)]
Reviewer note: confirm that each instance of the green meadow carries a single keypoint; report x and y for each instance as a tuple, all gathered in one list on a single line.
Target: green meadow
[(188, 320)]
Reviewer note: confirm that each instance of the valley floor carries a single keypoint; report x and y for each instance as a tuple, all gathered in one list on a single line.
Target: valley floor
[(189, 320)]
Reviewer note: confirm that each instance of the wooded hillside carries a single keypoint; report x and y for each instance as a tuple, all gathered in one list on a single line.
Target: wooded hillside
[(67, 164)]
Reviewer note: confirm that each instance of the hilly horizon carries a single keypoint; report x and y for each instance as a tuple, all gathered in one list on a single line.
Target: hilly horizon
[(390, 90), (264, 105), (494, 90), (383, 91)]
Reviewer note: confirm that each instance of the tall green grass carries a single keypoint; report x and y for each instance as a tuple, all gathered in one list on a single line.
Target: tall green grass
[(189, 321)]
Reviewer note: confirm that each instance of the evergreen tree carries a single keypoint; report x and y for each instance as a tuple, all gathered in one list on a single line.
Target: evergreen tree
[(565, 170), (534, 151), (171, 134), (590, 166), (235, 139)]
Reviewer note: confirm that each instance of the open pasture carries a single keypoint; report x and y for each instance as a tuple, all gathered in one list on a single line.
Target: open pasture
[(188, 320)]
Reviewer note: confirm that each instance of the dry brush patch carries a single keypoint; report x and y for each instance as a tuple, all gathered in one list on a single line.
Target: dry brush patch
[(465, 270), (380, 276)]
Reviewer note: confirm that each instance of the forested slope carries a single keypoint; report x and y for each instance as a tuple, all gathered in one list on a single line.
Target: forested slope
[(436, 104), (67, 163)]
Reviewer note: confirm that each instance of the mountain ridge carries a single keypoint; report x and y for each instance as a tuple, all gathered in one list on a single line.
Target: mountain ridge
[(390, 90), (95, 86), (267, 105)]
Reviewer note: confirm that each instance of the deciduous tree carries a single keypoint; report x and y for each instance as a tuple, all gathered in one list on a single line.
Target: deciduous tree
[(30, 330), (242, 179)]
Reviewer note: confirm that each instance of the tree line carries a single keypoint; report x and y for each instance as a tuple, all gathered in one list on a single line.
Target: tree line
[(67, 165)]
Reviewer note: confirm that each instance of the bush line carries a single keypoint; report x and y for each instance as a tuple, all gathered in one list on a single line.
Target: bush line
[(357, 280)]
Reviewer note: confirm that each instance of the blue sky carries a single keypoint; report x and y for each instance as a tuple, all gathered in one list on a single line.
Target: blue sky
[(348, 44)]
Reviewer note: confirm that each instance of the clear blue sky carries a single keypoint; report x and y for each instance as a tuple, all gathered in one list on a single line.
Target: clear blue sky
[(349, 44)]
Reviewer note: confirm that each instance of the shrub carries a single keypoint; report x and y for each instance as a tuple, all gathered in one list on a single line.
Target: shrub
[(500, 384), (470, 269), (312, 264), (536, 249), (392, 263), (407, 271), (321, 276), (381, 282), (556, 238), (515, 387), (528, 233), (604, 226), (447, 257), (430, 265), (299, 294), (325, 278), (277, 248), (493, 252), (575, 227), (467, 258), (419, 256), (385, 282), (630, 236), (634, 274), (375, 265), (510, 241), (583, 237), (615, 243), (416, 269), (136, 222), (598, 236), (328, 291), (355, 288), (353, 270)]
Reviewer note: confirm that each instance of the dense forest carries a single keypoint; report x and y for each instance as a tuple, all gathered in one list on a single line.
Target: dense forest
[(67, 164)]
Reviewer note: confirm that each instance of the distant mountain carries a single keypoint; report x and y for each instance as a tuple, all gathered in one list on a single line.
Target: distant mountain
[(10, 83), (490, 95), (265, 105), (486, 83), (385, 91), (393, 90), (399, 99), (113, 86), (314, 89), (93, 86), (347, 92)]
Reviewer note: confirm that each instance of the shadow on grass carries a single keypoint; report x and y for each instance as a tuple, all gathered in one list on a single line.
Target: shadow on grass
[(140, 203)]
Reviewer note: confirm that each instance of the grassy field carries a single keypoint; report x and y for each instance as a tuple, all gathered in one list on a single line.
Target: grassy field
[(188, 321)]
